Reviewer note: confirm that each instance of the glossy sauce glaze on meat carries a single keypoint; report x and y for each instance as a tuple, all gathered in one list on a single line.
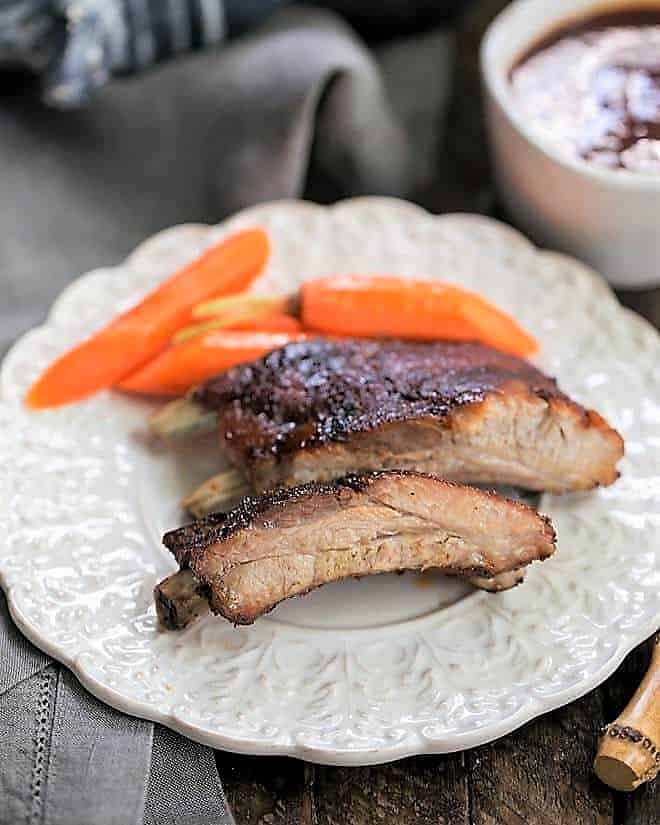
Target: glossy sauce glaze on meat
[(467, 412)]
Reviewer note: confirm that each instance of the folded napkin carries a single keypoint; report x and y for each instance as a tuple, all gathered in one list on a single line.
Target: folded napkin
[(68, 759), (300, 106), (201, 137)]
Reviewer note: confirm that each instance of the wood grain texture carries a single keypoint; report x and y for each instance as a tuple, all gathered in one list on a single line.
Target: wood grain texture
[(267, 791), (541, 775), (639, 808), (423, 790)]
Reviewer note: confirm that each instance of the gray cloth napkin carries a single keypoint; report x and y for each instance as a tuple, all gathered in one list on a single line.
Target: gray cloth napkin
[(68, 759), (299, 106)]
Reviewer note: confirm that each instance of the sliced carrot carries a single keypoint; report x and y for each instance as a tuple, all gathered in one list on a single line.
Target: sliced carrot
[(381, 305), (187, 364), (135, 337)]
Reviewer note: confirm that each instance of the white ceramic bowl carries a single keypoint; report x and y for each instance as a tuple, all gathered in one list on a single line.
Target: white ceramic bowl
[(608, 218)]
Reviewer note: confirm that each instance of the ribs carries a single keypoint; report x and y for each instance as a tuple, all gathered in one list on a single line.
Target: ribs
[(288, 542), (318, 410)]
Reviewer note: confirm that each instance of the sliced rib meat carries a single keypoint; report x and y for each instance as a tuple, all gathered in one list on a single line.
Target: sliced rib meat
[(181, 599), (320, 409), (286, 543)]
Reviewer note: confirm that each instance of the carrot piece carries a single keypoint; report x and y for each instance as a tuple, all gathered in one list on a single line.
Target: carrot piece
[(135, 337), (187, 364), (380, 305)]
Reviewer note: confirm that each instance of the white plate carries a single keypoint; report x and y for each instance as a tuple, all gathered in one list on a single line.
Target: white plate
[(358, 672)]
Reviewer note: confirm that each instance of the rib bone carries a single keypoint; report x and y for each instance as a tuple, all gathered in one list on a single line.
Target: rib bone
[(179, 601), (215, 493), (183, 418)]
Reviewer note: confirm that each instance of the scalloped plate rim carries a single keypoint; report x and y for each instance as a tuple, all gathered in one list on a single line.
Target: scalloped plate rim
[(347, 757)]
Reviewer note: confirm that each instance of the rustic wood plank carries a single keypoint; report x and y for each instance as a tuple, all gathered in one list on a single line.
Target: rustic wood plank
[(639, 808), (267, 790), (541, 775), (419, 791)]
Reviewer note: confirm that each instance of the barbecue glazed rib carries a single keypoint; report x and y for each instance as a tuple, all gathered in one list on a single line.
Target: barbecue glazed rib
[(291, 541), (464, 411)]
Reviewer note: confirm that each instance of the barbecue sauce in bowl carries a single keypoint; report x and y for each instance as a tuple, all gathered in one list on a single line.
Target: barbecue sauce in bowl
[(593, 88)]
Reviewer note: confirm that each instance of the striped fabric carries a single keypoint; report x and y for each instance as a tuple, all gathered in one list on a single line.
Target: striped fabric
[(77, 45)]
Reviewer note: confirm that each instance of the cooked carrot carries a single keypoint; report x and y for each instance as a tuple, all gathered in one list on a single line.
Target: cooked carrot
[(261, 322), (380, 305), (184, 365), (135, 337)]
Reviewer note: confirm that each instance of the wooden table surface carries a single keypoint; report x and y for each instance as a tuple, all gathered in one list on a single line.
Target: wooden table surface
[(540, 774)]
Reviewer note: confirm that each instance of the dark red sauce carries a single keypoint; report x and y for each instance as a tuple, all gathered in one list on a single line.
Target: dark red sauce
[(593, 87)]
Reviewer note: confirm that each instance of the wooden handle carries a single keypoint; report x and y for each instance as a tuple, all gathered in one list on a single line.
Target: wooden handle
[(629, 749)]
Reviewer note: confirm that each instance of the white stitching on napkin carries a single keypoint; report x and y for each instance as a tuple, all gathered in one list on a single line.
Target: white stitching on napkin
[(41, 741)]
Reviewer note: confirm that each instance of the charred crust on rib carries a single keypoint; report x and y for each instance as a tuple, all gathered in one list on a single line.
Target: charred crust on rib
[(254, 511), (310, 393), (183, 541), (220, 526)]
